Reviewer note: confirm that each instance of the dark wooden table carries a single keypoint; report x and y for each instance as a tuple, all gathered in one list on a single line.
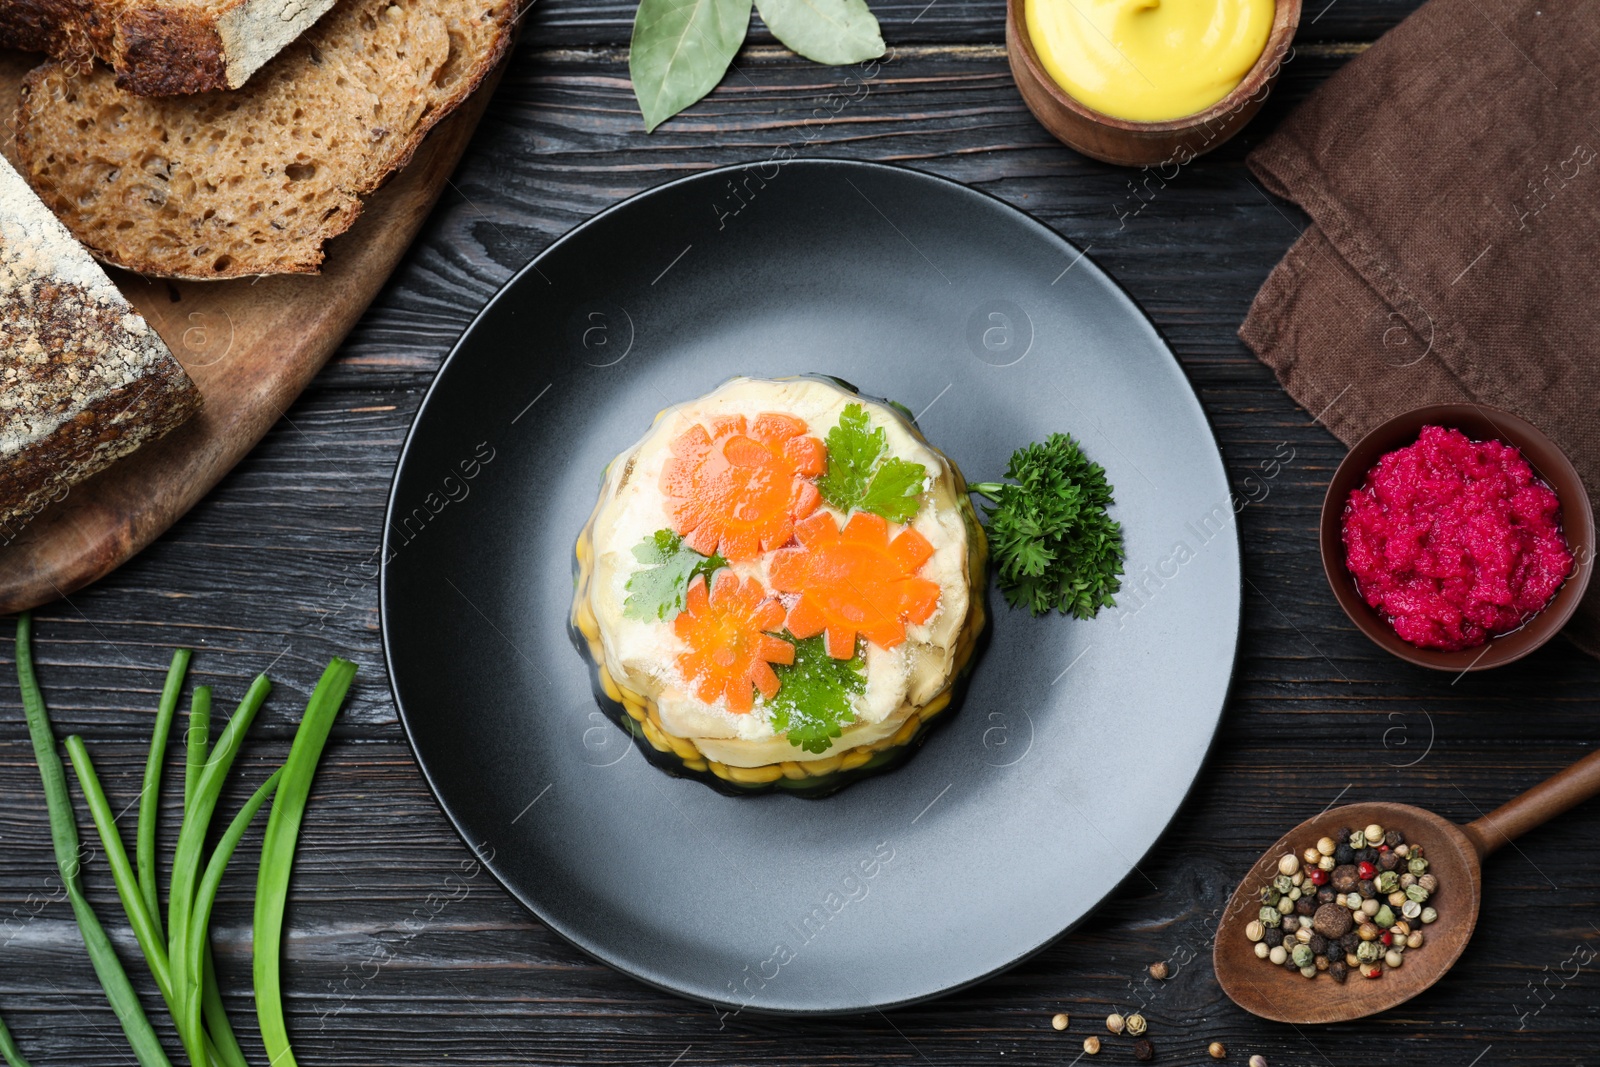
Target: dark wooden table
[(397, 954)]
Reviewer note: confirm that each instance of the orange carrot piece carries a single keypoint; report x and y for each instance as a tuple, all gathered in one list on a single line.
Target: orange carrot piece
[(854, 581), (736, 488), (730, 651)]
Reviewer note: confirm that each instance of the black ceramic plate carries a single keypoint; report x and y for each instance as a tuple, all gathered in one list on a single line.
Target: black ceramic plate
[(1077, 741)]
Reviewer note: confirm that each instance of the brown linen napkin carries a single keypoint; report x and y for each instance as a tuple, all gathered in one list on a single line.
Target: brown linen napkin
[(1452, 175)]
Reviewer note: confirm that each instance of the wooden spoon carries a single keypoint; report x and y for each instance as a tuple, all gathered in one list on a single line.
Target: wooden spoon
[(1454, 853)]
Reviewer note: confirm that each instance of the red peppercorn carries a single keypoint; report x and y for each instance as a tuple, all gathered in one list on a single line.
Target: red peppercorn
[(1374, 971), (1383, 848), (1388, 937), (1319, 876), (1366, 870)]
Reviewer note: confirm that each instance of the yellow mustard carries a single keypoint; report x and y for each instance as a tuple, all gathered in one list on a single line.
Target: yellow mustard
[(1149, 60)]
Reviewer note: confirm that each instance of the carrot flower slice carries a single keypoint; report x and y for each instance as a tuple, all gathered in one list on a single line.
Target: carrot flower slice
[(737, 488), (730, 653), (855, 581)]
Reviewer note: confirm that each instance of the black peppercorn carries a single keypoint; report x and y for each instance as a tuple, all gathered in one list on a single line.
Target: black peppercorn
[(1350, 942), (1366, 888), (1393, 838), (1305, 906), (1325, 895), (1319, 945), (1273, 937), (1388, 861), (1338, 971), (1344, 878), (1344, 833), (1344, 854), (1367, 855), (1143, 1050)]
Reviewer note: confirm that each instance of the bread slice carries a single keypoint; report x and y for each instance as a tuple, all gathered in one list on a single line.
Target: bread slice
[(84, 380), (161, 47), (222, 185)]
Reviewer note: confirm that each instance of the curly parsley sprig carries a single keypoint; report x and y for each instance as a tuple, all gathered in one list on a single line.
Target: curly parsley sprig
[(1055, 545)]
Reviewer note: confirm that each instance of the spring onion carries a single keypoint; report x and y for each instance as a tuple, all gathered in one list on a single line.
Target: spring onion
[(195, 740), (150, 799), (206, 893), (277, 854), (128, 888), (8, 1048), (186, 861), (64, 834)]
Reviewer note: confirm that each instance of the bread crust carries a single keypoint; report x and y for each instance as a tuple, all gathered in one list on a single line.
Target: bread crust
[(156, 47), (188, 233), (84, 379), (169, 52)]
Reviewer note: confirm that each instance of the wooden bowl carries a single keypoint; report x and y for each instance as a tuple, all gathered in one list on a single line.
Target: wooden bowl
[(1481, 424), (1137, 144)]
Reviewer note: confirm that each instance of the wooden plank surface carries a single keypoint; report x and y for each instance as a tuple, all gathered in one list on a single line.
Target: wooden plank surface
[(395, 957)]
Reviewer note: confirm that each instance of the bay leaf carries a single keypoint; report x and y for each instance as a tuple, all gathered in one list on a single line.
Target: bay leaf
[(834, 32), (680, 51)]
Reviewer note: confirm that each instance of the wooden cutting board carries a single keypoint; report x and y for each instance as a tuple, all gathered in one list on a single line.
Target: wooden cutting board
[(250, 345)]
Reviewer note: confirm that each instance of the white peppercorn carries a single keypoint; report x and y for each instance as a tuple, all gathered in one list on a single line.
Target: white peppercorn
[(1218, 1050), (1091, 1045), (1115, 1023), (1158, 970), (1255, 930), (1262, 950), (1402, 850), (1429, 915), (1278, 955), (1327, 863), (1326, 845), (1415, 939), (1289, 864), (1394, 958), (1303, 935), (1310, 857), (1374, 834), (1060, 1020), (1369, 906)]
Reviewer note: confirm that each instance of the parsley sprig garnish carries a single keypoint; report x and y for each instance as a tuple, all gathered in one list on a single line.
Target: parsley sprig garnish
[(1055, 546), (658, 590), (812, 705), (863, 476)]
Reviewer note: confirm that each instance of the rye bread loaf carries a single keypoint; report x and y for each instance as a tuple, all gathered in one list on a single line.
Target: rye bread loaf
[(161, 47), (228, 184), (84, 380)]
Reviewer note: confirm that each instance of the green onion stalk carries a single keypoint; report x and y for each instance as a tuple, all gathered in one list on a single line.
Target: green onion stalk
[(64, 835)]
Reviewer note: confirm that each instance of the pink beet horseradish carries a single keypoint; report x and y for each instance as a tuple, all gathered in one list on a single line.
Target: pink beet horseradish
[(1454, 540)]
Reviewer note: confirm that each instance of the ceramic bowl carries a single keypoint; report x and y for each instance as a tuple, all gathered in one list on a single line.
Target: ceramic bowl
[(1480, 424), (1172, 142)]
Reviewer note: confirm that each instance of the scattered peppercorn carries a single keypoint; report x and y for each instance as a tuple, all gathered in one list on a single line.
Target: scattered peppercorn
[(1136, 1024), (1218, 1050), (1060, 1020), (1115, 1023), (1258, 1060), (1091, 1045), (1143, 1050), (1158, 969)]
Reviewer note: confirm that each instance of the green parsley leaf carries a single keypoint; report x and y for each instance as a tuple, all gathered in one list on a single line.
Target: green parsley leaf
[(896, 489), (658, 591), (1055, 545), (812, 706), (861, 476)]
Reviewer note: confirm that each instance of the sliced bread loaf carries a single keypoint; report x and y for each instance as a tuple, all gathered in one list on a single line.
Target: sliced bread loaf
[(161, 47), (222, 185), (84, 380)]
